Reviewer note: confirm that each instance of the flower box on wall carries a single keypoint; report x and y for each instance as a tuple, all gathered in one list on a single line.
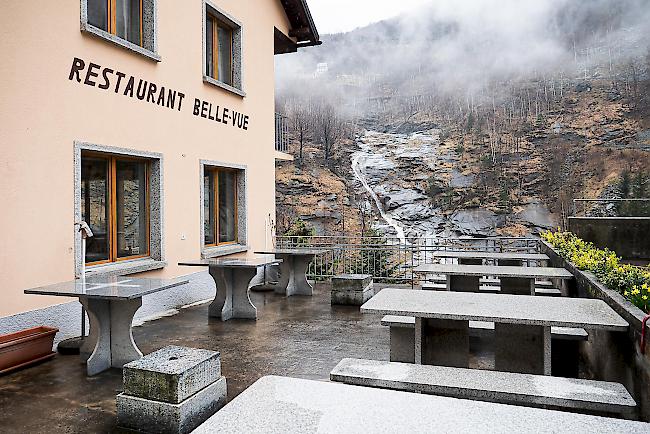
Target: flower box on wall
[(25, 347)]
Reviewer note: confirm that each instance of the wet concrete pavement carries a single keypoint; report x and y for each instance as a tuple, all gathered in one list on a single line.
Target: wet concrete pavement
[(300, 337)]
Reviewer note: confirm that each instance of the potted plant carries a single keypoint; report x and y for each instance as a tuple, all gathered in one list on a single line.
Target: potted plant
[(25, 347)]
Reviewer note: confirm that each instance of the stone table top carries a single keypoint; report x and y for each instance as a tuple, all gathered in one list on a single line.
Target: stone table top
[(494, 270), (307, 251), (290, 405), (112, 287), (502, 308), (490, 255), (255, 262)]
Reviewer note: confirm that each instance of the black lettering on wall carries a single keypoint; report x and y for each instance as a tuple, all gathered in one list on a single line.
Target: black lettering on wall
[(142, 89), (151, 92), (107, 82), (181, 95), (78, 65), (120, 76), (161, 97), (129, 87), (90, 73)]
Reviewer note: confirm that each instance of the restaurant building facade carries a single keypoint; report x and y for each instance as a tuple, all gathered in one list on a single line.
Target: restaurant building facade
[(153, 122)]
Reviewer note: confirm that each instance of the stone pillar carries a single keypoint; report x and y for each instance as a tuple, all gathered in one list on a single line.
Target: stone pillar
[(172, 390), (445, 343), (470, 261), (463, 283), (510, 263), (522, 348), (517, 286), (402, 344)]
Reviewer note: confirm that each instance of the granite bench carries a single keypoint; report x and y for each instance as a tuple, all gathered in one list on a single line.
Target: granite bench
[(599, 397), (565, 342)]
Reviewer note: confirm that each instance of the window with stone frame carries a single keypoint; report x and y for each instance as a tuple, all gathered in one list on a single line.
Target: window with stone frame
[(222, 50)]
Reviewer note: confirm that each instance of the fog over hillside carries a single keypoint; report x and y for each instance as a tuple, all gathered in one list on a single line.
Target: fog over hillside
[(453, 47)]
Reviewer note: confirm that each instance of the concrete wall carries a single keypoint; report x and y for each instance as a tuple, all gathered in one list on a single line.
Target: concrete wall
[(44, 114), (629, 237), (612, 356)]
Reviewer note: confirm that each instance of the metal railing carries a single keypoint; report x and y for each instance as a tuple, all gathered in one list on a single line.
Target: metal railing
[(389, 259), (281, 133), (599, 207)]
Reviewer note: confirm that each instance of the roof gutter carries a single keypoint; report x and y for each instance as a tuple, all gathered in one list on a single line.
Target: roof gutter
[(312, 25)]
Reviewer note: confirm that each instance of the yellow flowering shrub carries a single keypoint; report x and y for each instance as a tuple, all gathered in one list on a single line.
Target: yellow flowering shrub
[(631, 281)]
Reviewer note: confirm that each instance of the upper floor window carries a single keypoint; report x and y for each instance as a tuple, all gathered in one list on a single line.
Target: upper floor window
[(218, 50), (130, 24), (122, 18), (115, 204), (223, 48)]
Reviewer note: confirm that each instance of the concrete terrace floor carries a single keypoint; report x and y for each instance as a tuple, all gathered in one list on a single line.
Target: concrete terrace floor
[(300, 337)]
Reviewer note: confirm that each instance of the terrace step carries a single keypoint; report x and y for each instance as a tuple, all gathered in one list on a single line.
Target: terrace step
[(493, 386)]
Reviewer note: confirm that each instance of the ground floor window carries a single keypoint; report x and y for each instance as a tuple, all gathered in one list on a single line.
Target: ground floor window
[(115, 204), (220, 206)]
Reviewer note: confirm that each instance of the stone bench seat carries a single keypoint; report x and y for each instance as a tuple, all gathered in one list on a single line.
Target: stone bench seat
[(564, 333), (501, 387), (564, 342)]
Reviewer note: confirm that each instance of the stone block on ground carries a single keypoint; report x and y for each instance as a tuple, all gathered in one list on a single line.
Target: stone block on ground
[(352, 289), (163, 417), (172, 390), (171, 374), (351, 282)]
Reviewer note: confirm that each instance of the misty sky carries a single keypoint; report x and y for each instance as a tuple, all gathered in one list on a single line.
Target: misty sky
[(333, 16)]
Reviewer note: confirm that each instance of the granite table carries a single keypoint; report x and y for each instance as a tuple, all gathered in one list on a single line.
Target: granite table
[(501, 258), (293, 270), (522, 324), (232, 278), (291, 405), (111, 303), (514, 280)]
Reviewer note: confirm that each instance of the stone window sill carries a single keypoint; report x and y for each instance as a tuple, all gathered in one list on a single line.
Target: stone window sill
[(124, 267), (230, 249), (224, 86), (92, 30)]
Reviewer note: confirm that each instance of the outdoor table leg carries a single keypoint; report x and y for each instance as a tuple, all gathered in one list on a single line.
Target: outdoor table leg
[(232, 299), (521, 348), (517, 285), (293, 275), (442, 342), (463, 283), (110, 342), (298, 284)]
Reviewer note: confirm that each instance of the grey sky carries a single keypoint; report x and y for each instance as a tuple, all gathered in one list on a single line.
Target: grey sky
[(332, 16)]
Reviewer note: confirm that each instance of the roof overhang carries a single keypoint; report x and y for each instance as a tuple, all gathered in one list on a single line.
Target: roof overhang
[(303, 32)]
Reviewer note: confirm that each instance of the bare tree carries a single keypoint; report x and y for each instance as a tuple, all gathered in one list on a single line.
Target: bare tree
[(300, 121), (327, 127)]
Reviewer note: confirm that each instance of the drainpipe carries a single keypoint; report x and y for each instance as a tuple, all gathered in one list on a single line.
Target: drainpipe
[(643, 327), (86, 232)]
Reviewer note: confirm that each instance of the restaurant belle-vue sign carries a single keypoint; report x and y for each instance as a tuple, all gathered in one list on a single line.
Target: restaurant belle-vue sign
[(112, 80)]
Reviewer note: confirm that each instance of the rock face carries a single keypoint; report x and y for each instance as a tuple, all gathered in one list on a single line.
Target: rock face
[(400, 169), (477, 221)]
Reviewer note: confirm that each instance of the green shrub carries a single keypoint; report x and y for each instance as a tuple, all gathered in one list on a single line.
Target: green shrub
[(633, 282), (300, 233)]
